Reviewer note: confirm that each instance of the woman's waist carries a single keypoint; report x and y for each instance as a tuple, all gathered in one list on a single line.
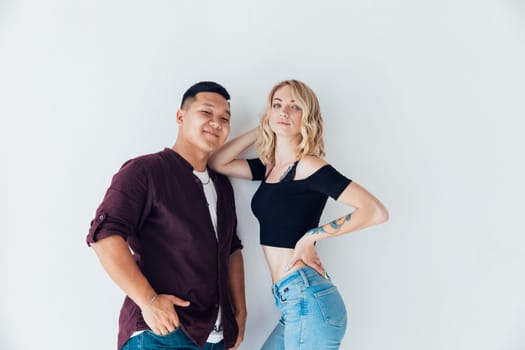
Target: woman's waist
[(300, 279), (282, 272), (278, 259)]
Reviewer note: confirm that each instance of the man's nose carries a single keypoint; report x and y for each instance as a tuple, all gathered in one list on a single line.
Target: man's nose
[(214, 124)]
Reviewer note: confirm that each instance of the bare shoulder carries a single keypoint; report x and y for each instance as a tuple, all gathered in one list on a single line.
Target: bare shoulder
[(308, 165)]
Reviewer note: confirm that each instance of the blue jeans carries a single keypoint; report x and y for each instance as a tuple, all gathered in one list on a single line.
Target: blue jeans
[(174, 340), (313, 314)]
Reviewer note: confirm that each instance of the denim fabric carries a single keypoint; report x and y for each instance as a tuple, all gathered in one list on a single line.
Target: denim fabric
[(174, 340), (313, 314)]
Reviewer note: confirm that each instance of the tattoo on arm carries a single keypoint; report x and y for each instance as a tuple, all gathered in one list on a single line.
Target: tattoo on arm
[(331, 227)]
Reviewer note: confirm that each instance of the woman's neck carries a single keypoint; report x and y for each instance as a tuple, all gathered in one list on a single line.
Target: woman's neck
[(284, 152), (284, 156)]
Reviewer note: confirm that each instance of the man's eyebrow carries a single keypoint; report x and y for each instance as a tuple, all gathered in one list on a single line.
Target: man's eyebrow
[(207, 104)]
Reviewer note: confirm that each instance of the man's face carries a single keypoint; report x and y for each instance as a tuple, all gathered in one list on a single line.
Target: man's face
[(205, 121)]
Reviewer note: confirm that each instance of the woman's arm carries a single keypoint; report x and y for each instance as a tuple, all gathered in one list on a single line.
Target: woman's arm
[(225, 159), (368, 211)]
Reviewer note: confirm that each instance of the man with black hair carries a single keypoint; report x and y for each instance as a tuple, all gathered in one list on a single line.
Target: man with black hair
[(165, 232)]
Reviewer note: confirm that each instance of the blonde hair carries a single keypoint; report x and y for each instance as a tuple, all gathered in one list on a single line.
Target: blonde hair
[(311, 124)]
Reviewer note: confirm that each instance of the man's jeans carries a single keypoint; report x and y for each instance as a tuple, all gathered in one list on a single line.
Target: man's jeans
[(313, 314), (174, 340)]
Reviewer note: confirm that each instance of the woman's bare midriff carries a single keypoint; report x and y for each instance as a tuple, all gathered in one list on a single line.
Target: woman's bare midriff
[(277, 259)]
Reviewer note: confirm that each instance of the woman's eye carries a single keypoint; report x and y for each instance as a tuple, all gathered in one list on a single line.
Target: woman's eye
[(296, 107), (276, 105)]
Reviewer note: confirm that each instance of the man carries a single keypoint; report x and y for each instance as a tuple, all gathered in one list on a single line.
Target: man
[(166, 234)]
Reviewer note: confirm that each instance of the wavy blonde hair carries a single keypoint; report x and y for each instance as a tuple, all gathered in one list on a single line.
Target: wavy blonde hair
[(311, 124)]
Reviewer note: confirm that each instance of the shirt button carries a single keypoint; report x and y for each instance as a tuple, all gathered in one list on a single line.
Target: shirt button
[(101, 217)]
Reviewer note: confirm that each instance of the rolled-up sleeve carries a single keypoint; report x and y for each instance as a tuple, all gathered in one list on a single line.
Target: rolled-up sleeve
[(124, 206)]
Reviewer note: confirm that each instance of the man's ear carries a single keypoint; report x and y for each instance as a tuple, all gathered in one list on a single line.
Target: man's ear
[(179, 116)]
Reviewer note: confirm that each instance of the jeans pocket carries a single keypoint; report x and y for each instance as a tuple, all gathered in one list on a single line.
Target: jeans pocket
[(332, 306)]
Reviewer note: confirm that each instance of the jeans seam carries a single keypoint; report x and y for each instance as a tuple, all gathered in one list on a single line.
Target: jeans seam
[(303, 316)]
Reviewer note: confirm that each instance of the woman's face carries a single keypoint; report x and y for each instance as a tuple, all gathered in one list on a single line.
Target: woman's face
[(285, 115)]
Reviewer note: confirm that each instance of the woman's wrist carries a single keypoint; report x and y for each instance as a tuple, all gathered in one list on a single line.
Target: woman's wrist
[(312, 236)]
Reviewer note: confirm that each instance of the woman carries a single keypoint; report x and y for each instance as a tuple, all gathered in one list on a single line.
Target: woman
[(296, 183)]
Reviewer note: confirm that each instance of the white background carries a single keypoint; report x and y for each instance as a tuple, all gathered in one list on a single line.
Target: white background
[(423, 104)]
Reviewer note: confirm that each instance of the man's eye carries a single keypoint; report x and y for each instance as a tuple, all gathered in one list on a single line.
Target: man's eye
[(206, 112)]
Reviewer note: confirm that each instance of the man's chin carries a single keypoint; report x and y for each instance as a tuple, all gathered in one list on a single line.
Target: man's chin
[(209, 147)]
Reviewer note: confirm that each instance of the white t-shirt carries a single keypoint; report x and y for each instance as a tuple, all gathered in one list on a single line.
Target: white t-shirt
[(216, 334)]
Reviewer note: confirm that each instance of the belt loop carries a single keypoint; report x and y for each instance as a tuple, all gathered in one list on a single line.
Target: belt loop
[(304, 277)]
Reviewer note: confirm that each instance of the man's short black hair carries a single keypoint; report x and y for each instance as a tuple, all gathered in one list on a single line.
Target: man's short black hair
[(204, 86)]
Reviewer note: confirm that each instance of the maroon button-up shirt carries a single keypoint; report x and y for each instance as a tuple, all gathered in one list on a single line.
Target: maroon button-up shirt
[(157, 204)]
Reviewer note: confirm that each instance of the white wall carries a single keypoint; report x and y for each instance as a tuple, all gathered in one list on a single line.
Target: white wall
[(423, 102)]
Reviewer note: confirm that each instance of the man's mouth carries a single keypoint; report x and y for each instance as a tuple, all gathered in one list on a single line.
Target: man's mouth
[(210, 132)]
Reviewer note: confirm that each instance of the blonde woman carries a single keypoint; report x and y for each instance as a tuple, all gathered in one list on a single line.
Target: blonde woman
[(295, 185)]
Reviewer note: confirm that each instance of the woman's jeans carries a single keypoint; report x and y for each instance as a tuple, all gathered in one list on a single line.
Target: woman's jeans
[(174, 340), (313, 314)]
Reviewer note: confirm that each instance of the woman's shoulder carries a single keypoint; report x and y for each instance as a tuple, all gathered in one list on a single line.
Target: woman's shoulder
[(308, 165)]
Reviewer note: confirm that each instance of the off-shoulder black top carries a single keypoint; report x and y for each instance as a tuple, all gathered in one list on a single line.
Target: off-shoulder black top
[(289, 208)]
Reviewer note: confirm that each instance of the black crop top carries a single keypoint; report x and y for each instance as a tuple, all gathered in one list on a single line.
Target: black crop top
[(287, 209)]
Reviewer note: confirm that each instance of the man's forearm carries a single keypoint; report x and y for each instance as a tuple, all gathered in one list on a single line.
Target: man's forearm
[(237, 282), (116, 258)]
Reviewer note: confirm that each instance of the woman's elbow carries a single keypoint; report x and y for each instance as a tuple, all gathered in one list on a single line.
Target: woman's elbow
[(385, 216), (380, 214)]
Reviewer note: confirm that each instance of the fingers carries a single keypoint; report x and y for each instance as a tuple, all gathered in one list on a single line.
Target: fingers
[(315, 263), (291, 263), (179, 302), (163, 327), (161, 316), (160, 324), (317, 266), (309, 258), (164, 330), (160, 327)]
